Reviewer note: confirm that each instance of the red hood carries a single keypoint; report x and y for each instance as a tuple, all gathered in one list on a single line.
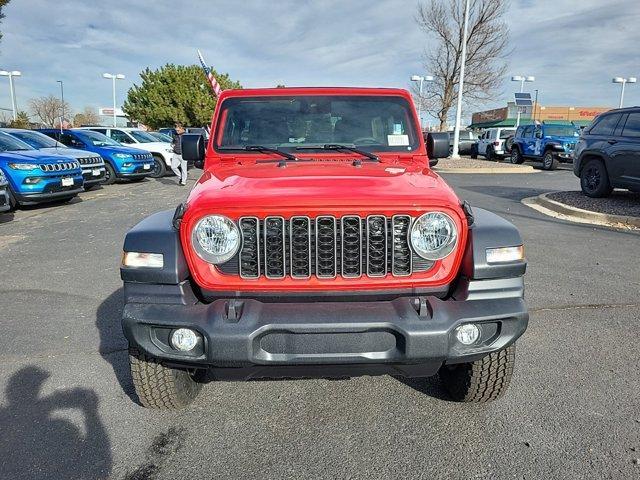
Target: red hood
[(316, 184)]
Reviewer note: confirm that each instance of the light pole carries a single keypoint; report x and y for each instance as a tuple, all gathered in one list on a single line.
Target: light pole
[(114, 77), (12, 74), (420, 80), (62, 103), (621, 80), (521, 79), (456, 131)]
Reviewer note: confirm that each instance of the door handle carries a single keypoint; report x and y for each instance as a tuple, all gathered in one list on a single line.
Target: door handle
[(612, 141)]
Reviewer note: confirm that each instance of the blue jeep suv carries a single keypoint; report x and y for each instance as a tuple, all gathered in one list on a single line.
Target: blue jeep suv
[(35, 177), (546, 143), (120, 161)]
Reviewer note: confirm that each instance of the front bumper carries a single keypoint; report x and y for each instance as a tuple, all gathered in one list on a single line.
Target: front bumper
[(90, 176), (565, 157), (243, 339), (39, 197)]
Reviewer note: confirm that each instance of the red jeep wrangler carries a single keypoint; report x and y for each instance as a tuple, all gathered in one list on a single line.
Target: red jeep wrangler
[(319, 243)]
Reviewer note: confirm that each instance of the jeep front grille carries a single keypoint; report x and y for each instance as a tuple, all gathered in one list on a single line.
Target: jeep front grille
[(325, 247), (58, 167)]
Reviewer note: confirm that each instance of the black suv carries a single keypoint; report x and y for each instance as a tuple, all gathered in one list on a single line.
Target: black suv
[(607, 155)]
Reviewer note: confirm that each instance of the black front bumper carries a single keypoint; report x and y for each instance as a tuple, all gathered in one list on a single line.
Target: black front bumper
[(33, 198), (90, 178), (242, 339)]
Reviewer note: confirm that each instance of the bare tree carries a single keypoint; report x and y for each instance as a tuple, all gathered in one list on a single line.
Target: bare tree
[(88, 116), (442, 21), (48, 109)]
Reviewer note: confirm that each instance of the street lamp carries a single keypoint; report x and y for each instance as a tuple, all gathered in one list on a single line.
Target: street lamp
[(114, 77), (521, 79), (15, 73), (420, 80), (61, 104), (456, 131), (621, 80)]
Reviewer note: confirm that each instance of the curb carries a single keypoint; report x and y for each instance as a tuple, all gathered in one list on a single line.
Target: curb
[(494, 170), (556, 209)]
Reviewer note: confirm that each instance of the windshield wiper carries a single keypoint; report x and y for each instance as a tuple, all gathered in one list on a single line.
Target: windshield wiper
[(334, 146), (260, 148)]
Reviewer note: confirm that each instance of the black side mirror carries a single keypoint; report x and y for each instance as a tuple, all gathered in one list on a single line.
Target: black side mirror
[(437, 145), (193, 148)]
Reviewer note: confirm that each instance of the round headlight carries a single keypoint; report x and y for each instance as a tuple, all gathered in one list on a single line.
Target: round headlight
[(434, 235), (215, 239)]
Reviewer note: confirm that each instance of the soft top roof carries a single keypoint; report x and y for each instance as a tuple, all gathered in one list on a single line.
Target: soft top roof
[(299, 91)]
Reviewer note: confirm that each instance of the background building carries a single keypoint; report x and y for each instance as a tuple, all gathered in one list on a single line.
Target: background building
[(506, 116)]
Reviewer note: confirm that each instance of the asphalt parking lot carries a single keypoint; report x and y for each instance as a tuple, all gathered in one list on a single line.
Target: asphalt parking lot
[(573, 410)]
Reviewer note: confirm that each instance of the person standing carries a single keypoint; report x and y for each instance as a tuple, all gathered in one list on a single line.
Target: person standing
[(178, 164)]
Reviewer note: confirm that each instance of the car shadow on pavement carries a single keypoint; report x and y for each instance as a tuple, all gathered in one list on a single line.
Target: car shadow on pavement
[(37, 440), (113, 345), (6, 217), (429, 386)]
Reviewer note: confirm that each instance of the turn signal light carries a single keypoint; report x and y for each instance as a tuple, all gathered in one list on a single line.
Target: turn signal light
[(142, 259), (505, 254)]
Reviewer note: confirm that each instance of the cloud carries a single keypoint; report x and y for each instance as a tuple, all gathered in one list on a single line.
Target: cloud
[(573, 48)]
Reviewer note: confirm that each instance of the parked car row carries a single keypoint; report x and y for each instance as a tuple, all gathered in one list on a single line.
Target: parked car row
[(46, 165)]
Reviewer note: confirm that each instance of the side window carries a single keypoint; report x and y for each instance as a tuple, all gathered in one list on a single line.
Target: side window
[(120, 136), (527, 132), (100, 130), (66, 139), (632, 127), (605, 125)]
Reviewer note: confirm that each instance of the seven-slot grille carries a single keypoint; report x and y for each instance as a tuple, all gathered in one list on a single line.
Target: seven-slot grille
[(325, 247), (88, 161), (57, 167), (142, 156)]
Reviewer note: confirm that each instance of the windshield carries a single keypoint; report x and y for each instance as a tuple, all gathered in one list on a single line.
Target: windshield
[(96, 139), (161, 137), (380, 123), (10, 144), (37, 139), (142, 136), (561, 131)]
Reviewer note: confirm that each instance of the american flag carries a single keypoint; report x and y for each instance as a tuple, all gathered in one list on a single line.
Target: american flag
[(215, 86)]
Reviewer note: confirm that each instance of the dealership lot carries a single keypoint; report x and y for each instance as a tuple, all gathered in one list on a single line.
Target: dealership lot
[(573, 409)]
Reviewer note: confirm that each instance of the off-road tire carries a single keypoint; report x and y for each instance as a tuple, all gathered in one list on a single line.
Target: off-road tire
[(161, 387), (490, 155), (516, 157), (594, 179), (549, 162), (474, 151), (481, 381), (109, 175), (13, 202), (159, 167)]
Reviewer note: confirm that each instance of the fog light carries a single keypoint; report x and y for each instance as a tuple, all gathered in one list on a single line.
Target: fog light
[(127, 164), (468, 333), (32, 180), (184, 339)]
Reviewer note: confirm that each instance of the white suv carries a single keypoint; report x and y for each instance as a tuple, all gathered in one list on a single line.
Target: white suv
[(491, 143), (136, 138)]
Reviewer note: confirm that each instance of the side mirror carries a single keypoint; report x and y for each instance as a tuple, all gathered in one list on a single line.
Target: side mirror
[(437, 145), (538, 134), (193, 148)]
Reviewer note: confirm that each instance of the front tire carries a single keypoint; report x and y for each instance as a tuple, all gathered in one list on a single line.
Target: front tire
[(13, 202), (516, 157), (594, 180), (481, 381), (159, 167), (161, 387), (490, 155), (549, 162), (109, 174), (474, 151)]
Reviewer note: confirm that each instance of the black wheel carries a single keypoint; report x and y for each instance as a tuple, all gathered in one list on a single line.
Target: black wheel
[(481, 381), (516, 156), (159, 167), (109, 174), (450, 150), (161, 387), (549, 162), (137, 180), (594, 179), (508, 144), (474, 151), (13, 202), (490, 155)]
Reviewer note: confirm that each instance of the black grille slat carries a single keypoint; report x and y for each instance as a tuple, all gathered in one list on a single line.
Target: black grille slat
[(351, 247), (326, 247), (376, 229), (401, 257), (300, 247), (274, 247), (250, 252)]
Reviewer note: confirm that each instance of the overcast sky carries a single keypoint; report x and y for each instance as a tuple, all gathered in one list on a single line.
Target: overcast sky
[(573, 47)]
